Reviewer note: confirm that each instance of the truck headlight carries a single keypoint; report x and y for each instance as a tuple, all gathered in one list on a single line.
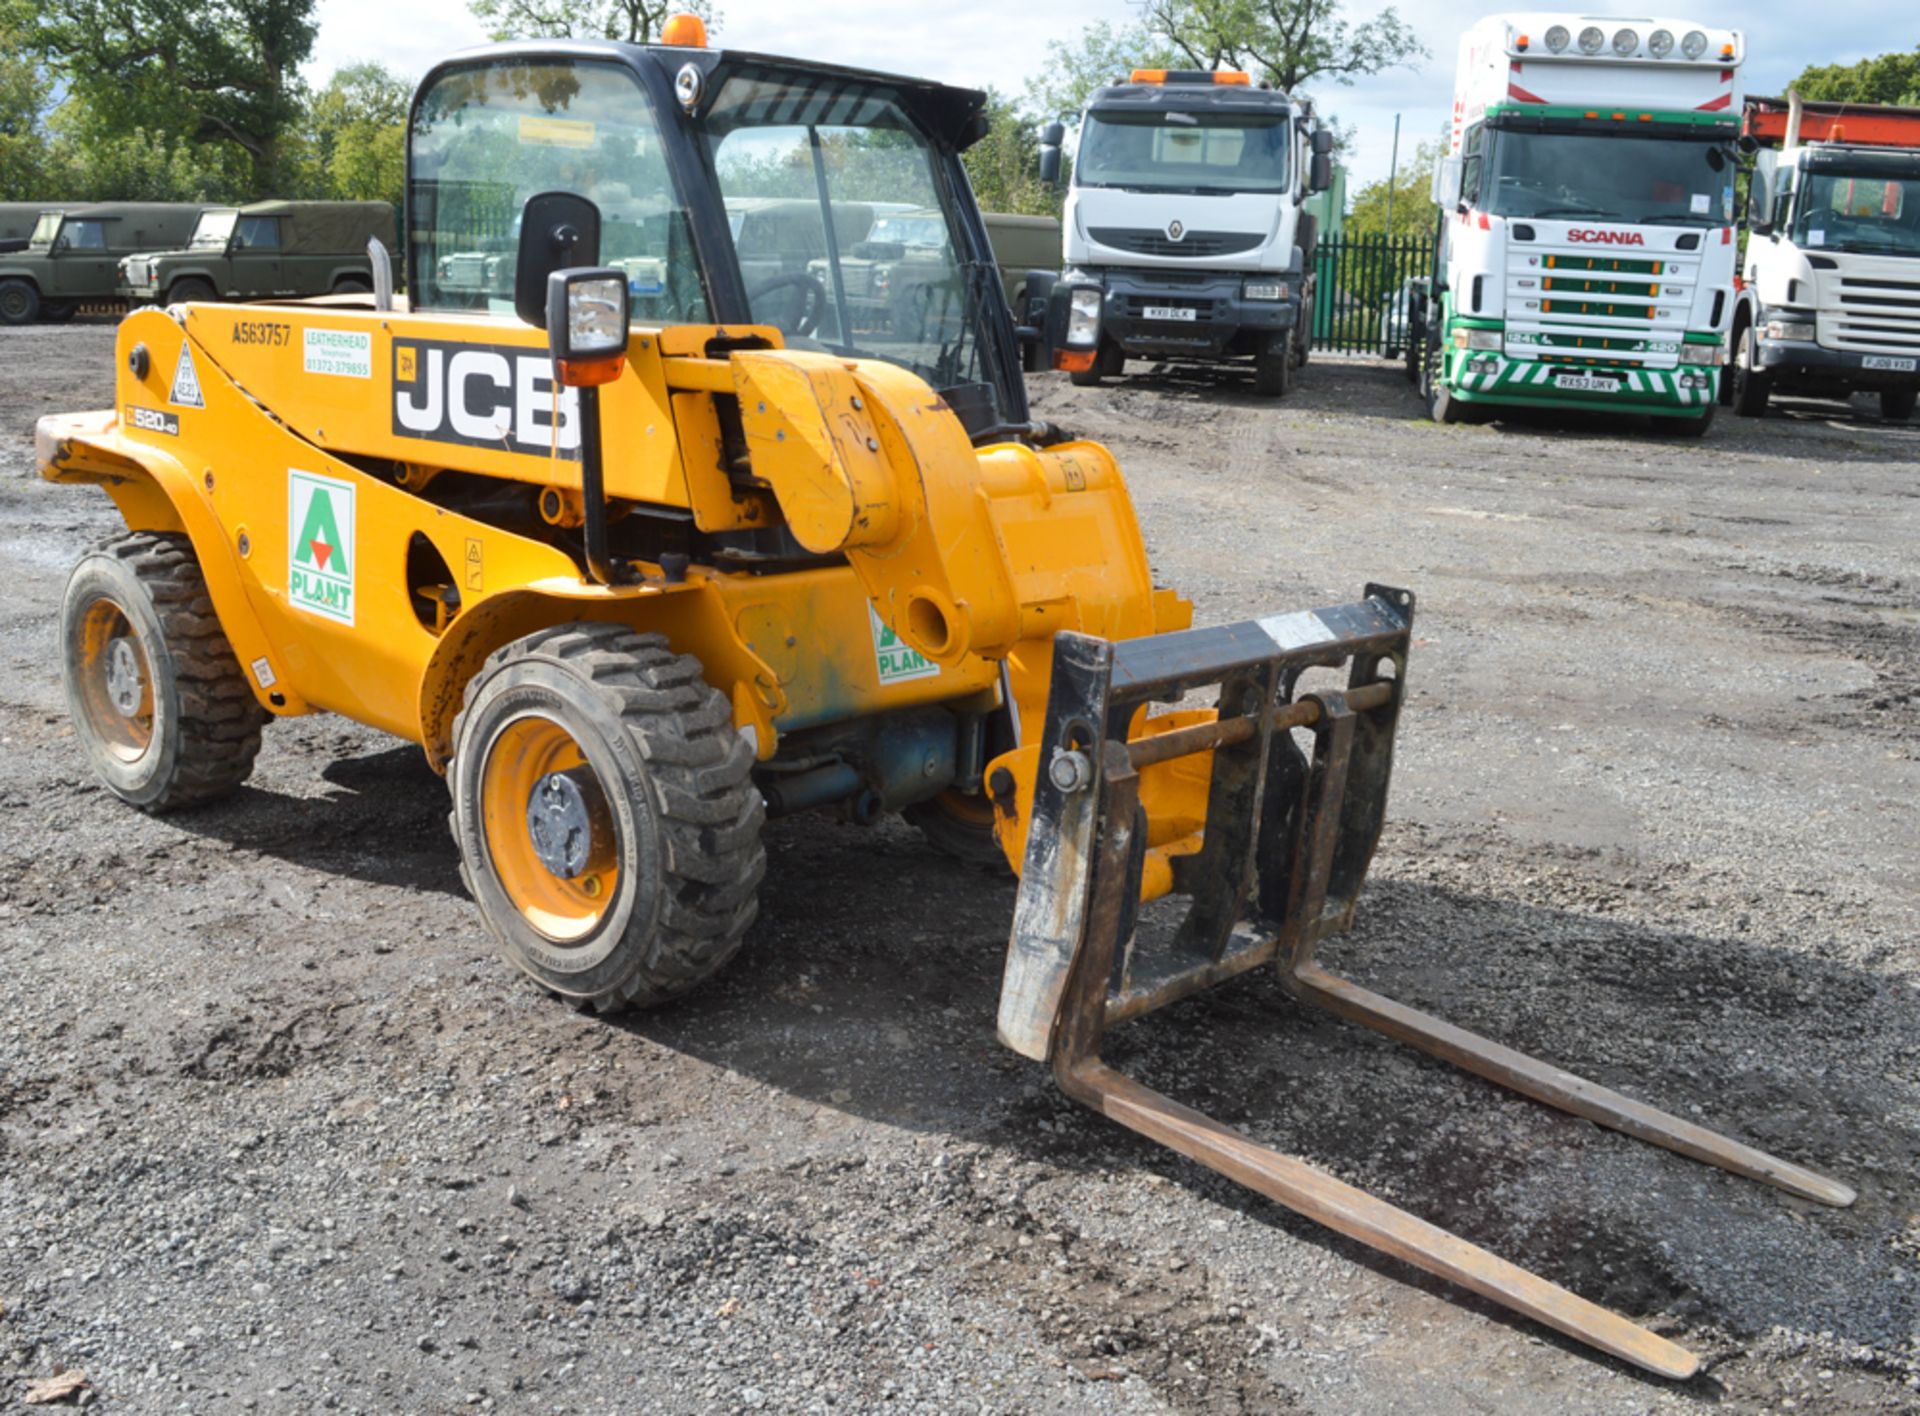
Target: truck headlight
[(1477, 339), (1700, 353), (1790, 329), (1265, 290), (1083, 316)]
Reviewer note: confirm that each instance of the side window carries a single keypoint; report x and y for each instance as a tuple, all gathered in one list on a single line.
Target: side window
[(1473, 152), (84, 236), (257, 233)]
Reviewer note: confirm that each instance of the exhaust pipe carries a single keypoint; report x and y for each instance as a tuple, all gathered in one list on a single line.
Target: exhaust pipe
[(1794, 112), (382, 273)]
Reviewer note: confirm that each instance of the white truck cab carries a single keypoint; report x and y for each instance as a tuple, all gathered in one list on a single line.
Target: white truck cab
[(1184, 235), (1830, 304), (1586, 219)]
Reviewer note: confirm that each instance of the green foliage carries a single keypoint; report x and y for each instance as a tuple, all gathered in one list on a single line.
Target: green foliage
[(1885, 78), (1414, 213), (355, 136), (144, 166), (23, 137), (1288, 43), (636, 21), (1103, 54), (1004, 166), (220, 72)]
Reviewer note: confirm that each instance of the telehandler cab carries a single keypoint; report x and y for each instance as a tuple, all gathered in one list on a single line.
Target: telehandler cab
[(642, 537)]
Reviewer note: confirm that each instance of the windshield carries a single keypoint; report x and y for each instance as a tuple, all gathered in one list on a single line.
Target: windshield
[(812, 169), (45, 228), (212, 231), (1842, 211), (486, 138), (1634, 181), (1160, 151)]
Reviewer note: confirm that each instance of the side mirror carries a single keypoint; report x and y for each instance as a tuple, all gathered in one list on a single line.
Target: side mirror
[(1322, 141), (1320, 171), (1759, 208), (1447, 173), (1051, 137), (558, 231)]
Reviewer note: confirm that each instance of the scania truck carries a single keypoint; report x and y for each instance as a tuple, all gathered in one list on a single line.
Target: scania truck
[(1184, 236), (1830, 298), (1586, 220)]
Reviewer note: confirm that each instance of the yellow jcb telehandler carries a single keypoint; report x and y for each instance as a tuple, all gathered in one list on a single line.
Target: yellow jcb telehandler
[(645, 525)]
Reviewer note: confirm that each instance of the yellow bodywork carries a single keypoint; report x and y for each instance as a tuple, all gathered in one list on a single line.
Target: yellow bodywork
[(955, 560)]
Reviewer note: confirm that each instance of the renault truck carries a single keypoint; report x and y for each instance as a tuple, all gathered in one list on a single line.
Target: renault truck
[(1830, 291), (1586, 244), (1184, 235)]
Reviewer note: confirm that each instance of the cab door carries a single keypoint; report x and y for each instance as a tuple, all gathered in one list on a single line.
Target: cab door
[(82, 267), (258, 264)]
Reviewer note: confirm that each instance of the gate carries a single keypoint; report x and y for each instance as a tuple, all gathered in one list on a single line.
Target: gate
[(1360, 291)]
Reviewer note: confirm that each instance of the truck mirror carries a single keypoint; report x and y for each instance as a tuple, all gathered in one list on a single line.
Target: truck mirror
[(1051, 137), (1322, 141), (558, 231), (1759, 207), (1320, 171), (1446, 182)]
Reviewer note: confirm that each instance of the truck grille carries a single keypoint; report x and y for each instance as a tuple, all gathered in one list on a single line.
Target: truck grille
[(1629, 312), (1871, 314), (1193, 246)]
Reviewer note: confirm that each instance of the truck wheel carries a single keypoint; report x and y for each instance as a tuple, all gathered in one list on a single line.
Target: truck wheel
[(961, 826), (1109, 361), (1751, 388), (351, 285), (191, 289), (607, 820), (59, 311), (158, 700), (1896, 404), (1685, 427), (1273, 366), (19, 302)]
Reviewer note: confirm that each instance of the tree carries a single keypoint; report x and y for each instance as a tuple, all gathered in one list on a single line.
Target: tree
[(356, 136), (211, 71), (1288, 43), (635, 21), (1885, 78), (1103, 54), (24, 92), (1413, 208), (1004, 166)]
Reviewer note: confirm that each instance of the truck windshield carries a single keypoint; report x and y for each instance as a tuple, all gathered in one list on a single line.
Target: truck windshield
[(844, 229), (1633, 180), (212, 231), (486, 137), (1842, 211), (1183, 151), (46, 228)]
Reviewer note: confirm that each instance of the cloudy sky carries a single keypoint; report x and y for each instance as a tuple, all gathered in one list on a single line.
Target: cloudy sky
[(1002, 44)]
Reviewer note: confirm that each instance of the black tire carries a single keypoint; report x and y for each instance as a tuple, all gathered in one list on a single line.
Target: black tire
[(1751, 388), (1442, 406), (191, 289), (19, 302), (677, 817), (58, 311), (351, 285), (1685, 427), (159, 702), (962, 827), (1273, 366), (1109, 361), (1896, 404)]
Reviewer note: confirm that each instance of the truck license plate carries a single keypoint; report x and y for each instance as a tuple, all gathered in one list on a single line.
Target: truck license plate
[(1586, 383), (1887, 361), (1172, 312)]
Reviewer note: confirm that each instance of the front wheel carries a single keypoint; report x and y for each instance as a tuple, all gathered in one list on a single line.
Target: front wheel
[(19, 302), (191, 290), (961, 826), (158, 700), (1896, 404), (351, 285), (1751, 387), (1685, 427), (1273, 366), (606, 815)]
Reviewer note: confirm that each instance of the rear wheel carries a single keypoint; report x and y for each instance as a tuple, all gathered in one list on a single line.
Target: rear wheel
[(1273, 366), (351, 285), (19, 302), (191, 289), (608, 824), (1751, 387), (961, 826), (1896, 404), (58, 311), (158, 700)]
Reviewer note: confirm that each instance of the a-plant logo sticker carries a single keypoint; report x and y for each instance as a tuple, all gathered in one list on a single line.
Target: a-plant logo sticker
[(320, 545), (186, 381), (895, 660)]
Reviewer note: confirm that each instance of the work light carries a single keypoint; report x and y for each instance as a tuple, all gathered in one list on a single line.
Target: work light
[(1660, 44), (1557, 38), (1625, 42), (587, 323), (1694, 45), (1592, 40)]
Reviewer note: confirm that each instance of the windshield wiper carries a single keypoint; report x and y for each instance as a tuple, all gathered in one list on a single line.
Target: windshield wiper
[(1570, 211)]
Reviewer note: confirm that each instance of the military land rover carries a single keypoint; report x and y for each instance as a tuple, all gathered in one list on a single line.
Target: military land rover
[(73, 253), (268, 250)]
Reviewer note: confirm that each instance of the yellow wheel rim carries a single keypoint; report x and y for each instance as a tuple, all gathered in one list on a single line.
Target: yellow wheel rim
[(566, 909), (116, 681)]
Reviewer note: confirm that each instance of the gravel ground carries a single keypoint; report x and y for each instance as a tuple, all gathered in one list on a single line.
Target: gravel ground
[(278, 1132)]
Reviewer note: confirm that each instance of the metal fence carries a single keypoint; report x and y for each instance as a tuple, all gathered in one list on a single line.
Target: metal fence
[(1360, 292)]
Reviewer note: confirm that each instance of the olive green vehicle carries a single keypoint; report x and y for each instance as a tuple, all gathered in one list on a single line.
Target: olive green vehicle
[(17, 220), (268, 250), (73, 254)]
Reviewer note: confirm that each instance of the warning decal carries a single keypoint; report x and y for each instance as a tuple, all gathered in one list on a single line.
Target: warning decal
[(186, 381)]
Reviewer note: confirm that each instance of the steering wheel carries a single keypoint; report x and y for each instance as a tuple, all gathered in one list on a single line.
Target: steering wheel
[(813, 299)]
